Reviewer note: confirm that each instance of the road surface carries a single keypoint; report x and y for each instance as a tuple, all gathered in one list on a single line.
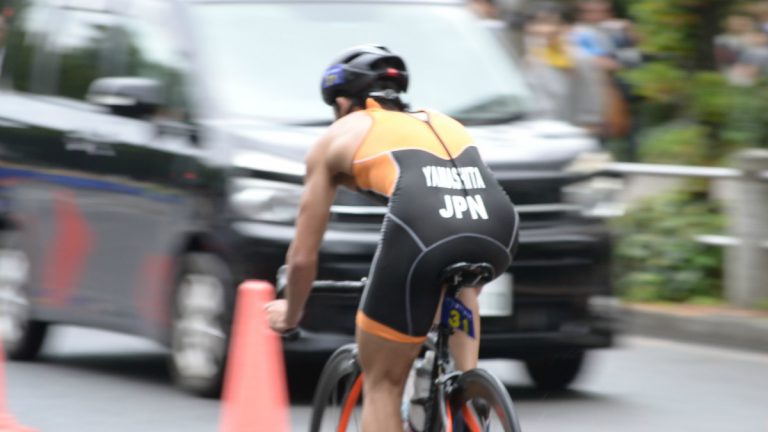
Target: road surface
[(94, 381)]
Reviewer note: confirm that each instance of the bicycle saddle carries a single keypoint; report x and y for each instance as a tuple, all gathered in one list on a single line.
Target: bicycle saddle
[(461, 275)]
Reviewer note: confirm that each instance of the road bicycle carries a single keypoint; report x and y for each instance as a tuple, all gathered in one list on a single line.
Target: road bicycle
[(438, 398)]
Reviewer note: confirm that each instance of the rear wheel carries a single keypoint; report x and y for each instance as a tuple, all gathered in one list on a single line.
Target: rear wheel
[(336, 405), (480, 402), (555, 372), (22, 336), (202, 314)]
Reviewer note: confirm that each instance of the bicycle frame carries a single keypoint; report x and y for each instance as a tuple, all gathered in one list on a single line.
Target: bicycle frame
[(442, 376), (454, 315)]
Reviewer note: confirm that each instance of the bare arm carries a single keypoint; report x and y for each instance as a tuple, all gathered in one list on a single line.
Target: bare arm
[(327, 165), (316, 201)]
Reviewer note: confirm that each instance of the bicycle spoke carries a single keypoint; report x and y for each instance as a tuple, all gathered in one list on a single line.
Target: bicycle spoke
[(336, 402), (484, 403)]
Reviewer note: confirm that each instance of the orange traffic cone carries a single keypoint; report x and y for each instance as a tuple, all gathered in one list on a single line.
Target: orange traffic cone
[(7, 423), (255, 392)]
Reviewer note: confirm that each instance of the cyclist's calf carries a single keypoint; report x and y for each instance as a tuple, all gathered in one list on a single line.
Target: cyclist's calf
[(465, 349), (385, 365)]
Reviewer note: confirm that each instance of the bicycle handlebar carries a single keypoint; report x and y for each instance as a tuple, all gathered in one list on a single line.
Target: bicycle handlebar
[(282, 280), (340, 284), (291, 335)]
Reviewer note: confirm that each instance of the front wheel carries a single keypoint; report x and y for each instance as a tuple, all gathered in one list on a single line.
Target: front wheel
[(479, 402), (336, 405), (202, 315), (22, 336)]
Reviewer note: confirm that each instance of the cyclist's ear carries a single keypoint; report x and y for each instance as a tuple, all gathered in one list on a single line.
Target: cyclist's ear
[(342, 107), (345, 105)]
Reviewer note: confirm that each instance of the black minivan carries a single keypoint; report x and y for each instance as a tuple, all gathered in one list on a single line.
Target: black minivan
[(151, 153)]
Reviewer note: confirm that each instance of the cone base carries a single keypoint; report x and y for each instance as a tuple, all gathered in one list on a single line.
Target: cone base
[(8, 424)]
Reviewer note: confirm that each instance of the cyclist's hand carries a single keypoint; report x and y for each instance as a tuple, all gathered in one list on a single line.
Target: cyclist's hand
[(276, 314)]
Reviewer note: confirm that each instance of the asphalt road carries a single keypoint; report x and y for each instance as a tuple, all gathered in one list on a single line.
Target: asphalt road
[(89, 381)]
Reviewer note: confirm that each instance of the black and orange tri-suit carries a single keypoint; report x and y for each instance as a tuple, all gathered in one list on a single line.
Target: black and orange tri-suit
[(444, 207)]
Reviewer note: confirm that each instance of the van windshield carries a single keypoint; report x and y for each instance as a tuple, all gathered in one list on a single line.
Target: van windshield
[(265, 60)]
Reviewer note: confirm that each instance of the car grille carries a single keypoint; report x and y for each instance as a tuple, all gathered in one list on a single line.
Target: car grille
[(538, 199)]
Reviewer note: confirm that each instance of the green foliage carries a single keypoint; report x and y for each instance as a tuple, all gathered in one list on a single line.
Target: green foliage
[(657, 256), (678, 143), (690, 113), (659, 82), (763, 304), (706, 301), (667, 25)]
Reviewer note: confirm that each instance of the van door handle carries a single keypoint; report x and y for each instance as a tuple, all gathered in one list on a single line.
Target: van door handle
[(179, 130), (91, 143)]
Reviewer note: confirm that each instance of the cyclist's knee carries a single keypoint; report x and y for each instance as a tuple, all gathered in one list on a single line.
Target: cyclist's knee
[(383, 384), (385, 361), (386, 371)]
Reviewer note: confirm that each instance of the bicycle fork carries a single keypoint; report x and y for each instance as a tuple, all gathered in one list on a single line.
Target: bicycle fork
[(442, 379)]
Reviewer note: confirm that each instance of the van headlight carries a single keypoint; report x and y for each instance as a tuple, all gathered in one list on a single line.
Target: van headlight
[(265, 200), (589, 163), (598, 195)]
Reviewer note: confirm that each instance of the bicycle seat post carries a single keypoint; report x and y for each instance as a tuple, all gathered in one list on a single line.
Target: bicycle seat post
[(454, 278)]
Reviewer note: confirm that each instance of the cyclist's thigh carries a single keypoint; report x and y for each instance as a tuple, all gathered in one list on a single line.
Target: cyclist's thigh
[(386, 310)]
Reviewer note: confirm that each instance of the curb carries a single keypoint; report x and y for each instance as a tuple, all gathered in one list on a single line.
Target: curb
[(715, 328)]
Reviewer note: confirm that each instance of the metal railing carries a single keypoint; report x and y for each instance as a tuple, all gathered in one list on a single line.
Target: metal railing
[(746, 245), (625, 168)]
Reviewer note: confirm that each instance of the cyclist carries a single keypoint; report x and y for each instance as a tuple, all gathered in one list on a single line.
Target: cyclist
[(444, 207)]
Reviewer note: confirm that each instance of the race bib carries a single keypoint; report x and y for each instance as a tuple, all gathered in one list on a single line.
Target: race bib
[(457, 316)]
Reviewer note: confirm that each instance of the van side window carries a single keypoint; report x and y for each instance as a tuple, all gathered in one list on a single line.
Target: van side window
[(4, 25), (155, 51), (81, 51), (26, 35)]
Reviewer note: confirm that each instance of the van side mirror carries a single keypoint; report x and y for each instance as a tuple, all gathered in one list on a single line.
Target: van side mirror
[(127, 96)]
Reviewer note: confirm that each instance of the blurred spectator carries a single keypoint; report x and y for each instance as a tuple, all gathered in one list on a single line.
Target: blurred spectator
[(487, 9), (741, 51), (602, 34), (613, 44), (731, 46), (567, 83), (589, 36), (3, 34), (759, 10), (752, 63)]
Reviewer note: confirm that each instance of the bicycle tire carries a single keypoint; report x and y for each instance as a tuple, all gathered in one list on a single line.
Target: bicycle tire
[(470, 389), (337, 389)]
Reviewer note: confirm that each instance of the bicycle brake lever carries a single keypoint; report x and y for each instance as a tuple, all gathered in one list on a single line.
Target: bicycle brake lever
[(291, 335), (281, 280)]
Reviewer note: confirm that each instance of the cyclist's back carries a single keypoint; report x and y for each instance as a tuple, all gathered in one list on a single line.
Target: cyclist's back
[(444, 207)]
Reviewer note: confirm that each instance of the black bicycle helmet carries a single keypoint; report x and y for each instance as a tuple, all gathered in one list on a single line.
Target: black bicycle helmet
[(355, 72)]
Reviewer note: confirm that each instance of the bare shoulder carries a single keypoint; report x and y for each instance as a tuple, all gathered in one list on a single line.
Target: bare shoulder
[(356, 123), (344, 137), (445, 119)]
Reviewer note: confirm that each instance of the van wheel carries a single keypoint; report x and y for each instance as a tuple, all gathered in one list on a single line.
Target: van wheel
[(201, 312), (22, 336), (554, 372)]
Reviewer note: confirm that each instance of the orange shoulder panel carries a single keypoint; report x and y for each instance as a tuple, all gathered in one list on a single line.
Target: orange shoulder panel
[(374, 168), (453, 133)]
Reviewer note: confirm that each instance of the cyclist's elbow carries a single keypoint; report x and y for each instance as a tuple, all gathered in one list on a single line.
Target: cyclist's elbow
[(302, 261)]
